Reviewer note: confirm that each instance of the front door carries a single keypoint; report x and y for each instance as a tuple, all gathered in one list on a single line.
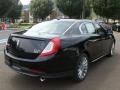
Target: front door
[(94, 43)]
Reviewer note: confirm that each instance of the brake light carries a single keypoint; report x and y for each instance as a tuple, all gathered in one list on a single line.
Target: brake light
[(52, 47)]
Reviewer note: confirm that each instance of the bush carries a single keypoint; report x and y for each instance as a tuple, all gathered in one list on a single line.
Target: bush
[(15, 25), (25, 24)]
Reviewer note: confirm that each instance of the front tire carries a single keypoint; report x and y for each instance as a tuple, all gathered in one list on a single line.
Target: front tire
[(81, 68)]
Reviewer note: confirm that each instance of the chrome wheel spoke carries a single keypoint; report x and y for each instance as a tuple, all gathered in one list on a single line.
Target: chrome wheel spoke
[(83, 66)]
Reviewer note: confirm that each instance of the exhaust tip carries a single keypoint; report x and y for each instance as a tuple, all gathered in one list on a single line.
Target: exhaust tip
[(42, 79)]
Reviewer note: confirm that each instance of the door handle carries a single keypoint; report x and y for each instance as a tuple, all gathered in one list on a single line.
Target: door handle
[(94, 40)]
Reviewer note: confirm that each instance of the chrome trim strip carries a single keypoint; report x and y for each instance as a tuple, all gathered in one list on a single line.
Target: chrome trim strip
[(99, 58), (80, 28), (32, 75), (38, 59)]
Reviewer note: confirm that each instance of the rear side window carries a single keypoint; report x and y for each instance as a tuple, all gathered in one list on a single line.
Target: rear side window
[(90, 28), (49, 27), (74, 30)]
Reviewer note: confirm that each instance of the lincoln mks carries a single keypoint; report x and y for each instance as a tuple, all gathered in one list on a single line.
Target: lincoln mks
[(59, 48)]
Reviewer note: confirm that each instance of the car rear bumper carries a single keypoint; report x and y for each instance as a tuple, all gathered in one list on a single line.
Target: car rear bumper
[(49, 68), (32, 73)]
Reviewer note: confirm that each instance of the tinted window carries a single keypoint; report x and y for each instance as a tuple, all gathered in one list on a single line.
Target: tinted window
[(90, 28), (50, 27), (99, 29), (74, 30)]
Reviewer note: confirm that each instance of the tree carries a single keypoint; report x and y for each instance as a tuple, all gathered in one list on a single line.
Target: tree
[(107, 8), (10, 9), (41, 8), (15, 10), (116, 9), (74, 8), (87, 10), (4, 7)]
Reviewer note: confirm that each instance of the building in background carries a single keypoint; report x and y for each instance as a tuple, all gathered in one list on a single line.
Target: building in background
[(25, 13), (56, 13)]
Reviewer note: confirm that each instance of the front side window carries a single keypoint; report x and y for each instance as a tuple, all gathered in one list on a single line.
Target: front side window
[(99, 29), (90, 28)]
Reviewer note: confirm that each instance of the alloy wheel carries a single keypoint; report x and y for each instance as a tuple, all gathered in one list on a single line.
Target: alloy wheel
[(82, 68)]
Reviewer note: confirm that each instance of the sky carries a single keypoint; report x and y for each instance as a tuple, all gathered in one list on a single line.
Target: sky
[(25, 2)]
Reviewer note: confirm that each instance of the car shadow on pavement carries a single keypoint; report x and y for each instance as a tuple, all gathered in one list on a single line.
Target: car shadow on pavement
[(98, 75)]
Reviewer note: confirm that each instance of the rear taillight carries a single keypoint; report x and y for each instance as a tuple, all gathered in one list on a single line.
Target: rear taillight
[(52, 47)]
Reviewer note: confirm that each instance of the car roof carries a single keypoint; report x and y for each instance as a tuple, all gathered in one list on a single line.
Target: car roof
[(75, 20)]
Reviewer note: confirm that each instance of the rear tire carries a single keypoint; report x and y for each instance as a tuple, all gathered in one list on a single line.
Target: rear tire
[(81, 68)]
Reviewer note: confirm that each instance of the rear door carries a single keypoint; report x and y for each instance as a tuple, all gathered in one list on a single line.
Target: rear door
[(94, 43)]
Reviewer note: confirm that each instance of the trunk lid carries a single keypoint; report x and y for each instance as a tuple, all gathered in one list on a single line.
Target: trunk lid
[(26, 47)]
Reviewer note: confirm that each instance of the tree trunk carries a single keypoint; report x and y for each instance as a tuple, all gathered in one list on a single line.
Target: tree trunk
[(34, 20), (114, 20), (13, 20), (107, 20), (42, 18)]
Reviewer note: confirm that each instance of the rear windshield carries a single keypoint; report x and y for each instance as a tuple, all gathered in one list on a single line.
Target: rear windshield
[(50, 27)]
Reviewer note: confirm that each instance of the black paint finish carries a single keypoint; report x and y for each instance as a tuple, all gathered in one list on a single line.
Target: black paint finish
[(24, 57)]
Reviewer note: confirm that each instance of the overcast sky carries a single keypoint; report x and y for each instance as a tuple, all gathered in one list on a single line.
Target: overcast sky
[(25, 2)]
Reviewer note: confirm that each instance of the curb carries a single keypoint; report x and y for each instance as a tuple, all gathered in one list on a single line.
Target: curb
[(13, 29)]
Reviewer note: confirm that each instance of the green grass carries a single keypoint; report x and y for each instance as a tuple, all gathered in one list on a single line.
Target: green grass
[(21, 26)]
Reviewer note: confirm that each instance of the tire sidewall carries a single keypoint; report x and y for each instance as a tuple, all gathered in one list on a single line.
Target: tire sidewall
[(75, 74)]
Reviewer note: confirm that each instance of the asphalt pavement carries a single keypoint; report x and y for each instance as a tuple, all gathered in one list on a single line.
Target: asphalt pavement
[(103, 74)]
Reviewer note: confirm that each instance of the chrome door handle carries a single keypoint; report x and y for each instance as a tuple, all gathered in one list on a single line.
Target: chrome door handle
[(94, 40)]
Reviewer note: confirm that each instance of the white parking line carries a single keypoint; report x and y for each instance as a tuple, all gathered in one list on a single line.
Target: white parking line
[(3, 41)]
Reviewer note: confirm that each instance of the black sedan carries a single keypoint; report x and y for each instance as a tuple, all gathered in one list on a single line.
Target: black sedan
[(59, 48)]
